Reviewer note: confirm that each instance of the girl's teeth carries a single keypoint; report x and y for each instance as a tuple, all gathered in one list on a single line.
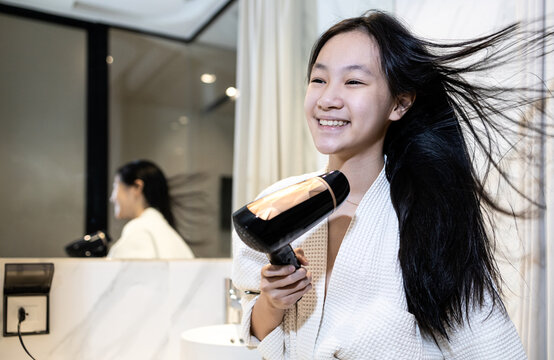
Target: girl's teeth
[(332, 122)]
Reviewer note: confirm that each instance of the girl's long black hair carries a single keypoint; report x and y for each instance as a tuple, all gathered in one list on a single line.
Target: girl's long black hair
[(155, 190), (446, 253)]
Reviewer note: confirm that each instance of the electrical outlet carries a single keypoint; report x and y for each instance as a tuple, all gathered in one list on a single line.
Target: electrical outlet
[(36, 314)]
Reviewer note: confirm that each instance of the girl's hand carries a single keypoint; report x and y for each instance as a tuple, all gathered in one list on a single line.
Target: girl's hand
[(283, 285)]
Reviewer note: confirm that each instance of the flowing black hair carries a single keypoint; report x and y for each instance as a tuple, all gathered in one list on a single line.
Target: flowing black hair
[(446, 253), (155, 190)]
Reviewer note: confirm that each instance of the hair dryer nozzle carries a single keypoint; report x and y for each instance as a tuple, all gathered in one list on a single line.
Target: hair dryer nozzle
[(272, 222)]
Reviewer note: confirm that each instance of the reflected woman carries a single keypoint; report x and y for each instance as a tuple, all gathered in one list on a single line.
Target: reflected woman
[(141, 194)]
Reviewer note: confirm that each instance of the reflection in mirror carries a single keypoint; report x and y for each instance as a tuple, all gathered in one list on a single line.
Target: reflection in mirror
[(167, 103)]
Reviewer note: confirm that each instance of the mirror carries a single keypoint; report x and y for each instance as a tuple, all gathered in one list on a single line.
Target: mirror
[(159, 109), (162, 111)]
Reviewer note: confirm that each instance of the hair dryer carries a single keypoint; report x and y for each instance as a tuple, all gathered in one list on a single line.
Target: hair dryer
[(272, 222), (90, 245)]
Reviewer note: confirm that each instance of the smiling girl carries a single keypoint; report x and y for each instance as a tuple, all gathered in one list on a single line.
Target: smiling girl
[(404, 269)]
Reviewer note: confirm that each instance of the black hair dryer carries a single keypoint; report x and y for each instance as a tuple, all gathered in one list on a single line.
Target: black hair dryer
[(90, 245), (272, 222)]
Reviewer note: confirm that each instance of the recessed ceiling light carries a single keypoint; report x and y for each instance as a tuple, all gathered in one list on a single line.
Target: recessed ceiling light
[(232, 92), (208, 78)]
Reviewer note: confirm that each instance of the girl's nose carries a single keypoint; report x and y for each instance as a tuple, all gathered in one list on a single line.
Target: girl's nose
[(330, 99)]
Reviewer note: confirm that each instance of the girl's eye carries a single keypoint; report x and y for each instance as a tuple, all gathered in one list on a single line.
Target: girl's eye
[(353, 82), (317, 81)]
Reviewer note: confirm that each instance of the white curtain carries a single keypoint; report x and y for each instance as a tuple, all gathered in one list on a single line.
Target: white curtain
[(272, 140), (549, 197), (529, 272), (531, 294), (533, 305)]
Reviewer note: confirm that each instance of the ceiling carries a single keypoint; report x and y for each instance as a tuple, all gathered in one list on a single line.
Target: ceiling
[(174, 19), (149, 66), (150, 70)]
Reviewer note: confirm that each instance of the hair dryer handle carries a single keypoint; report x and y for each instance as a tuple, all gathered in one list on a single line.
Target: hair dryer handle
[(284, 256)]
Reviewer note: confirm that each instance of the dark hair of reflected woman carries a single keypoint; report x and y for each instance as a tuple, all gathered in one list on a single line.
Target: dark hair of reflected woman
[(156, 190)]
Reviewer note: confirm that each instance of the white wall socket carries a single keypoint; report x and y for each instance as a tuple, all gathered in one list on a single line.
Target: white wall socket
[(36, 310)]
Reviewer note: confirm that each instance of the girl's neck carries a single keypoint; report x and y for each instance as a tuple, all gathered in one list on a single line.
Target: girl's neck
[(140, 206), (360, 172)]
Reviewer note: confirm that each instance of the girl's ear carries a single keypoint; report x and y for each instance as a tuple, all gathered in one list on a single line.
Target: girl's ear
[(139, 185), (403, 104)]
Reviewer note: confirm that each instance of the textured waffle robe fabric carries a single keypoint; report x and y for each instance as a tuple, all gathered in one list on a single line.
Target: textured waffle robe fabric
[(364, 314)]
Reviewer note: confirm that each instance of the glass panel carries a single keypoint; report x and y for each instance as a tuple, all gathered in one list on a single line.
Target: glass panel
[(42, 137)]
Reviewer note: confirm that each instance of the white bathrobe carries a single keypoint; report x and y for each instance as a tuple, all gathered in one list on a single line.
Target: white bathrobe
[(150, 236), (364, 315)]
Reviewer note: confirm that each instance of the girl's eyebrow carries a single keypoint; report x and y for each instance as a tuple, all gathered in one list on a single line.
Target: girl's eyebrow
[(358, 67), (346, 68), (319, 66)]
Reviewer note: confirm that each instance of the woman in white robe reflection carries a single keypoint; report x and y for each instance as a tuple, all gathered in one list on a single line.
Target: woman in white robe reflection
[(140, 194)]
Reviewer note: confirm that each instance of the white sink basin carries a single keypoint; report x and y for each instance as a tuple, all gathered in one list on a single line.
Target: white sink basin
[(217, 342)]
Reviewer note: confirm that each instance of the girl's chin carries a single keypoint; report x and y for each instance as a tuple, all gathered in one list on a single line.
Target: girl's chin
[(123, 216), (327, 149)]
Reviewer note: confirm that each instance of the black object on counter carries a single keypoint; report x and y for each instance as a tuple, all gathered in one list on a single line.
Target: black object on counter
[(91, 245)]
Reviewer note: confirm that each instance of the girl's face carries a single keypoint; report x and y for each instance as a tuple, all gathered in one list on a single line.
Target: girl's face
[(348, 105), (124, 198)]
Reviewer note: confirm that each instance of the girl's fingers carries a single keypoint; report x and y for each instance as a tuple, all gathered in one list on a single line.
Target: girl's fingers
[(300, 256), (277, 270), (277, 282), (290, 299), (284, 285)]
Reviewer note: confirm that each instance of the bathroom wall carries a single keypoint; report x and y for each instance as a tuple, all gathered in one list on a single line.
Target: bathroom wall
[(105, 309), (42, 136)]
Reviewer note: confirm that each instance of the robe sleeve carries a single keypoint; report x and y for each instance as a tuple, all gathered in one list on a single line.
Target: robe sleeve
[(246, 276)]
